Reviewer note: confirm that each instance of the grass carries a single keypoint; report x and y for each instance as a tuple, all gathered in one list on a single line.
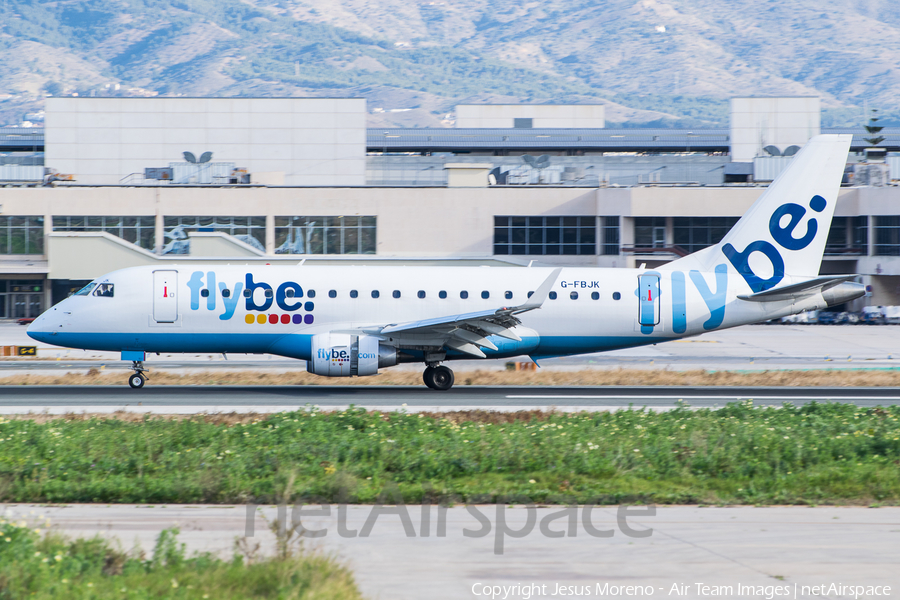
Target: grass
[(47, 565), (699, 377), (740, 454)]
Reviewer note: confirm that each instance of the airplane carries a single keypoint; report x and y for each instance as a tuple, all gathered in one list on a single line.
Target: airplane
[(354, 320)]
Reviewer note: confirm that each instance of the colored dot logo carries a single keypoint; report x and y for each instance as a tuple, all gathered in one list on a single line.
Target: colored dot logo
[(279, 319)]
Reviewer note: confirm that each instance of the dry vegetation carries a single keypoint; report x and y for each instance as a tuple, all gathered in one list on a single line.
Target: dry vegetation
[(235, 418), (545, 377)]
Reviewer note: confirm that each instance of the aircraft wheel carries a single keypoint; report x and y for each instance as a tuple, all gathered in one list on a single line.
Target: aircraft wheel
[(442, 378), (136, 381), (428, 377)]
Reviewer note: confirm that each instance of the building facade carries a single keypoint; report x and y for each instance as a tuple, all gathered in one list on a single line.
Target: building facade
[(56, 239), (286, 141), (321, 187)]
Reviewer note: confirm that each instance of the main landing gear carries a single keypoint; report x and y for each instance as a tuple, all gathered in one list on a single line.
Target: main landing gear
[(438, 378), (137, 379)]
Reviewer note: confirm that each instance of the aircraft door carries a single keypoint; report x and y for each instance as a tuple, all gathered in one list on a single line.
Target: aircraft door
[(648, 290), (165, 303)]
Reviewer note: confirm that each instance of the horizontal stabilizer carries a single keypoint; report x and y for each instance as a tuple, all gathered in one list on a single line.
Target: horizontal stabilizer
[(798, 290)]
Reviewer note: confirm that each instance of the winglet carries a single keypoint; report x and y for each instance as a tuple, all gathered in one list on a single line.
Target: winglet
[(540, 294)]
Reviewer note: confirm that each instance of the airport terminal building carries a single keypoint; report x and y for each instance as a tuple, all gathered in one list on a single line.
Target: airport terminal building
[(116, 182)]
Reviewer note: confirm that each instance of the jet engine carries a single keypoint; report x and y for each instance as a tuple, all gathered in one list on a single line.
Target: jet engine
[(345, 355)]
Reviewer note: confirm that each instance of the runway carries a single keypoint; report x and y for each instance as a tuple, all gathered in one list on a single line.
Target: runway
[(265, 399), (683, 545)]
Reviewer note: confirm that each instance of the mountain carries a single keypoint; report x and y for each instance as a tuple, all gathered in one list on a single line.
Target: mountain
[(660, 62)]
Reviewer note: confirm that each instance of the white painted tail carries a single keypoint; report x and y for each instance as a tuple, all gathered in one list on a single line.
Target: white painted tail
[(784, 232)]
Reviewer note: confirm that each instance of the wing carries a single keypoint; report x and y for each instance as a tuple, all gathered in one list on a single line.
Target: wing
[(467, 332)]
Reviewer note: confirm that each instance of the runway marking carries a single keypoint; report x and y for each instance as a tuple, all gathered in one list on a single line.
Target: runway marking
[(701, 397)]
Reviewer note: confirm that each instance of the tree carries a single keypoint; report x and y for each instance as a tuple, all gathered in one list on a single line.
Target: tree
[(872, 129)]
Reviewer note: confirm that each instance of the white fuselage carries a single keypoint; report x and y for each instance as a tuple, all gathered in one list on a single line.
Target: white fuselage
[(185, 308)]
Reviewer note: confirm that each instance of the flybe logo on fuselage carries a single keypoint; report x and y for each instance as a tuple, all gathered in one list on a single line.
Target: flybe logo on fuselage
[(783, 236), (287, 296)]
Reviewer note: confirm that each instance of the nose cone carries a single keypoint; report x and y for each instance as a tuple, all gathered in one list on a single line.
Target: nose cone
[(41, 329)]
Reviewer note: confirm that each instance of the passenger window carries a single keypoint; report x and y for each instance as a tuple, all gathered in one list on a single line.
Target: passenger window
[(332, 293), (485, 294), (595, 295), (421, 294), (573, 295), (226, 293), (268, 293), (553, 295), (442, 294), (507, 295), (204, 292), (289, 293), (247, 293), (104, 290), (85, 290), (311, 293), (354, 294), (464, 294), (375, 293), (616, 295), (396, 294)]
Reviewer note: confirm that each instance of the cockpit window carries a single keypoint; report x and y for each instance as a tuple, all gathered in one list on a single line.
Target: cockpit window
[(104, 290), (85, 290)]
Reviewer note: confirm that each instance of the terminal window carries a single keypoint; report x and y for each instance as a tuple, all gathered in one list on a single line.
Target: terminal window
[(21, 235), (250, 230), (836, 243), (610, 236), (325, 235), (140, 231), (887, 235), (545, 235), (696, 233), (650, 232), (861, 234)]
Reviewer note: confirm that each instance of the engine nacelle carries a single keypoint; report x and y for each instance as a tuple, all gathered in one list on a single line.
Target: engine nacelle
[(345, 355)]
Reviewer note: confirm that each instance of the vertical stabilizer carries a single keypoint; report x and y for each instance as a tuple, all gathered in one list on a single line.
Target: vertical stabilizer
[(784, 232)]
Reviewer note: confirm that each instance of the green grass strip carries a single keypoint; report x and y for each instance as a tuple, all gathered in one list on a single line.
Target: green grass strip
[(44, 566), (741, 454)]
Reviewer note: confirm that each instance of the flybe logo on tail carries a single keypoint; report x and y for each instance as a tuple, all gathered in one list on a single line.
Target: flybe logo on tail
[(783, 236), (287, 297)]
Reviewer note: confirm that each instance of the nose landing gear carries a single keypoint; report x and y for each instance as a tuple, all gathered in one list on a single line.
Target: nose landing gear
[(438, 378), (137, 379)]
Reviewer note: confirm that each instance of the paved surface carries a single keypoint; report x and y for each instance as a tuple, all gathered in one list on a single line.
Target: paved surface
[(752, 347), (757, 547), (192, 399)]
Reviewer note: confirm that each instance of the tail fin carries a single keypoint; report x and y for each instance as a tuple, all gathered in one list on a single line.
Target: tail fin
[(784, 232)]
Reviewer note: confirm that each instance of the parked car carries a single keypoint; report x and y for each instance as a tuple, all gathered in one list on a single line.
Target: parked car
[(872, 315), (25, 320), (827, 318)]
